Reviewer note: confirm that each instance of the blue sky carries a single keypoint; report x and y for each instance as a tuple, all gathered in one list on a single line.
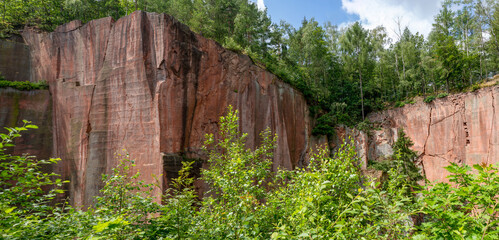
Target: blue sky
[(416, 14), (322, 10)]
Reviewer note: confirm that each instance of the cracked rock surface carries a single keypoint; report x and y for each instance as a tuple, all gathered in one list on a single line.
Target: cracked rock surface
[(147, 84), (459, 128)]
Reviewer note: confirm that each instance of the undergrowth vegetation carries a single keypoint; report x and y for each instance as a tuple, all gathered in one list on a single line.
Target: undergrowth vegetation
[(328, 199)]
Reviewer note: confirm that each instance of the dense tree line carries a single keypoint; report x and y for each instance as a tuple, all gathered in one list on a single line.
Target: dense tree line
[(344, 73)]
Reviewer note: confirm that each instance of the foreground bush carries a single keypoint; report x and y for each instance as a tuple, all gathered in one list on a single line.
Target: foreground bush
[(328, 199)]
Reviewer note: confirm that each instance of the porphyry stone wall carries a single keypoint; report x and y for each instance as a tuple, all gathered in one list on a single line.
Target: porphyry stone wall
[(147, 84), (461, 128)]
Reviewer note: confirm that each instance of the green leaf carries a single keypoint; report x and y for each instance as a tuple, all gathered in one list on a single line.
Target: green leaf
[(9, 210), (110, 224), (305, 234), (32, 126), (478, 167)]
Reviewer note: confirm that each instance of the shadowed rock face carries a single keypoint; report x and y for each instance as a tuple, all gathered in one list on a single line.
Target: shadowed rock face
[(14, 61), (461, 128), (147, 84), (36, 106)]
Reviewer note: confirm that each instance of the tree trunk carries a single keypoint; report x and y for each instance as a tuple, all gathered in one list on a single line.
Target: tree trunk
[(424, 85), (361, 94), (403, 66), (447, 83), (398, 73)]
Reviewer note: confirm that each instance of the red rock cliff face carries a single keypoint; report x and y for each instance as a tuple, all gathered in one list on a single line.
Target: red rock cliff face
[(461, 128), (147, 84)]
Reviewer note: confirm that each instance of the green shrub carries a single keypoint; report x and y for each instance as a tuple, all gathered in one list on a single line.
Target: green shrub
[(23, 201), (23, 85), (178, 211), (475, 87), (311, 200), (232, 45), (429, 99), (442, 95), (365, 126), (238, 178), (325, 125), (410, 102), (124, 205), (328, 198), (465, 208), (399, 104)]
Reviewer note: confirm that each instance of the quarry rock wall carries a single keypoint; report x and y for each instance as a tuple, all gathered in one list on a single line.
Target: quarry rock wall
[(147, 84), (461, 128)]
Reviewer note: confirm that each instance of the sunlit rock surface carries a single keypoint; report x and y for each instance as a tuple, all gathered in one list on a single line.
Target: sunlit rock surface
[(461, 128), (147, 84)]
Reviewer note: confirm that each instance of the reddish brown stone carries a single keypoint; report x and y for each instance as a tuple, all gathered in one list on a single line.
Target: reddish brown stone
[(147, 84), (460, 128)]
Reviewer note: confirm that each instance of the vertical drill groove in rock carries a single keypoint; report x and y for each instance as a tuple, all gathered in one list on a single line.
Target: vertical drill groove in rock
[(428, 130), (493, 124)]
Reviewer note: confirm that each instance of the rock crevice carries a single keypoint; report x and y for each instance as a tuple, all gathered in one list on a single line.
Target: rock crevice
[(493, 124), (428, 130)]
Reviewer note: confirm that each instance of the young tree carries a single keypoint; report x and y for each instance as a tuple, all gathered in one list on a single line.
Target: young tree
[(356, 49)]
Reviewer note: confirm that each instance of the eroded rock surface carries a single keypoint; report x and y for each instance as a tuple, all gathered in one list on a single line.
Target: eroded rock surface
[(147, 84), (461, 129)]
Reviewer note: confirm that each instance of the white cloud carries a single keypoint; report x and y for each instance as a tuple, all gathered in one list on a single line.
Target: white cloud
[(260, 4), (416, 14)]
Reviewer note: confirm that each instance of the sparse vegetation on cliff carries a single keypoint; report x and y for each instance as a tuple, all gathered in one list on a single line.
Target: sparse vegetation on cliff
[(22, 85), (328, 199)]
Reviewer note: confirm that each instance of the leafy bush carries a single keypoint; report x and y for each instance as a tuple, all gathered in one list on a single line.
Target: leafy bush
[(403, 103), (442, 95), (328, 199), (366, 126), (429, 99), (124, 204), (465, 208), (475, 87), (238, 179), (410, 101), (178, 211), (325, 125), (311, 202), (399, 104), (23, 200)]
